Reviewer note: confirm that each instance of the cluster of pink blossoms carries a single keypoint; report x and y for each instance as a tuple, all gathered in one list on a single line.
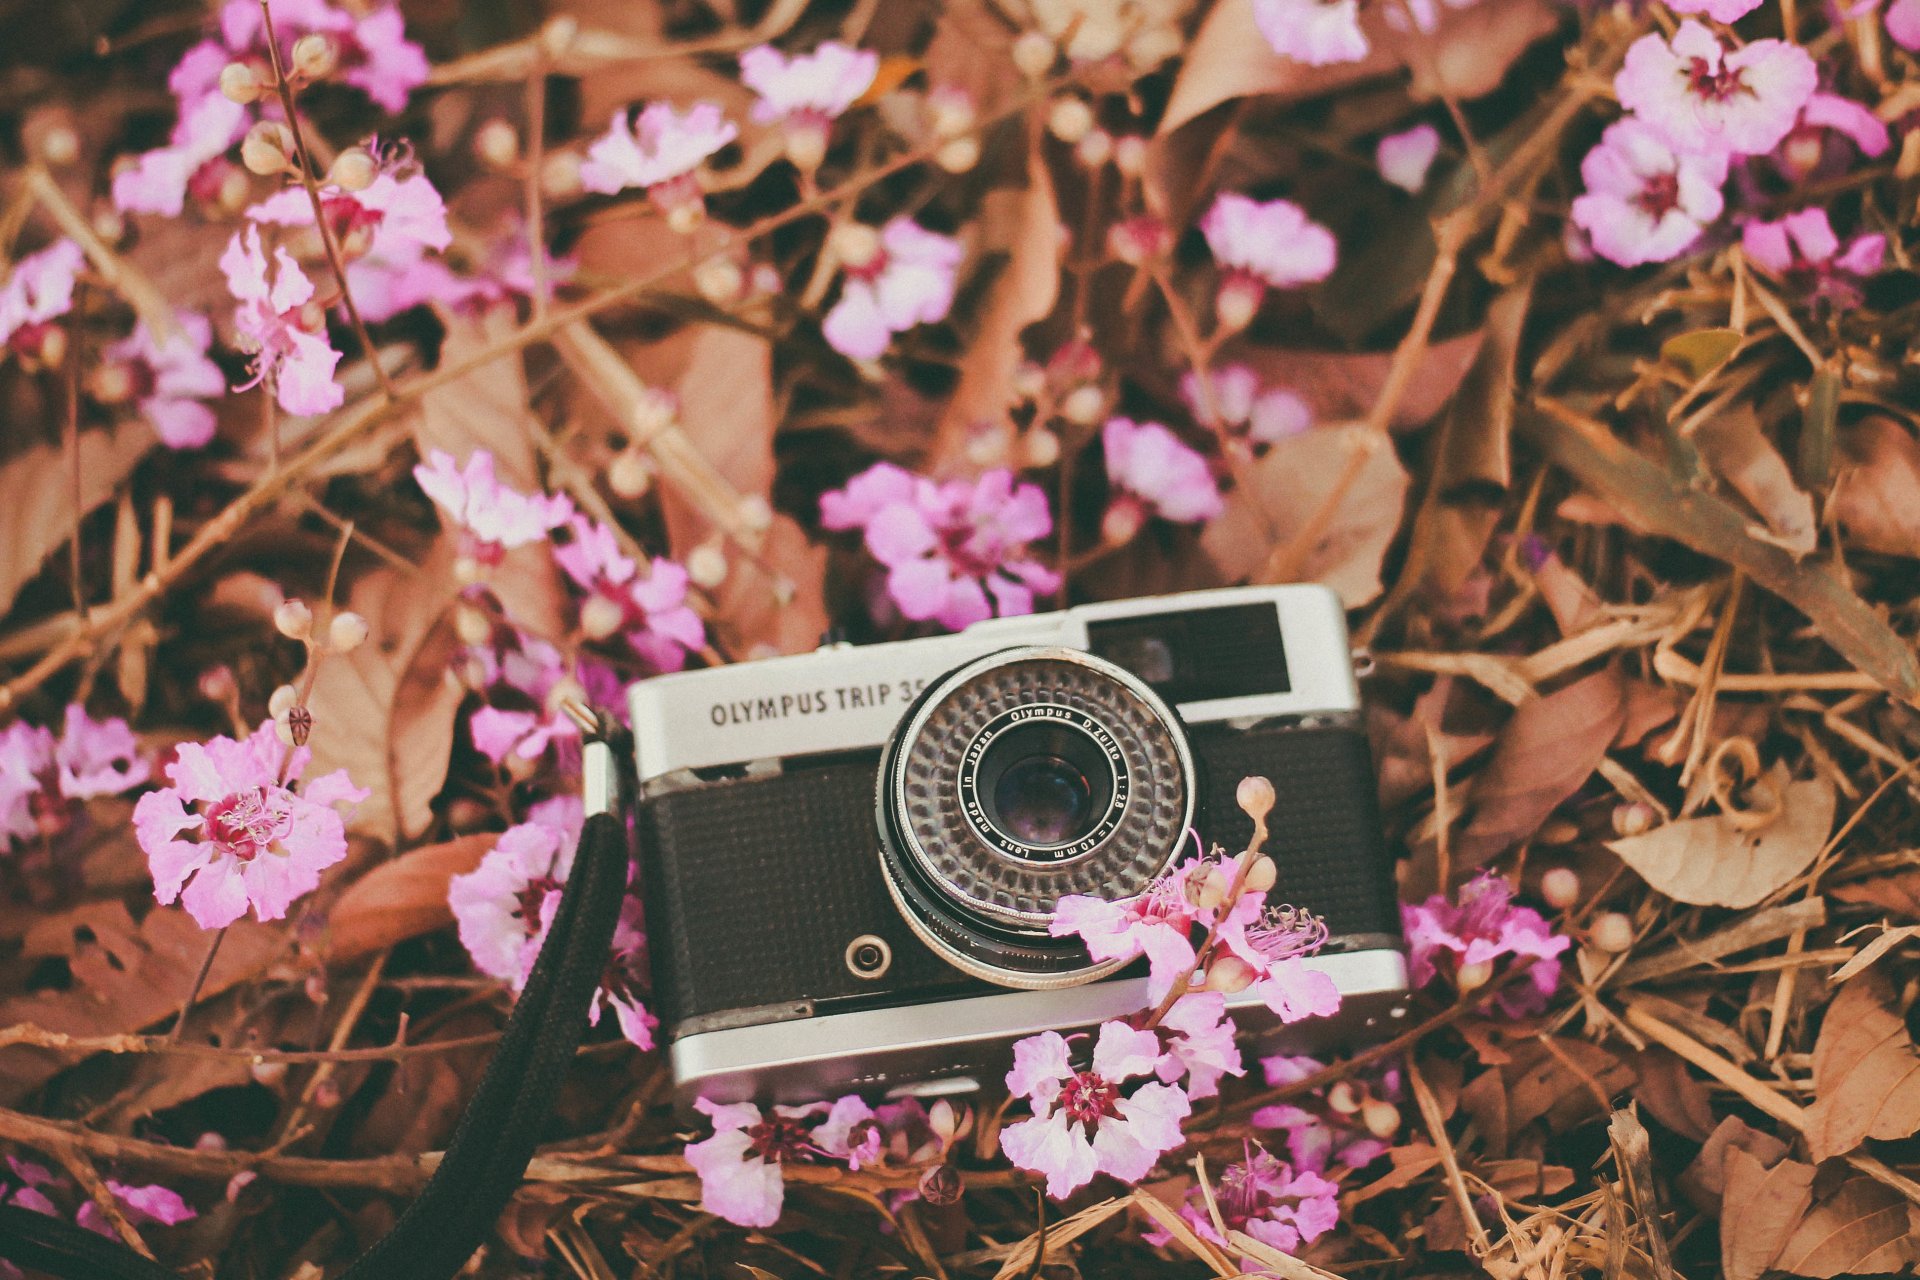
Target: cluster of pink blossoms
[(896, 278), (661, 150), (650, 610), (1262, 245), (1316, 32), (1698, 108), (1232, 399), (279, 324), (955, 552), (492, 518), (504, 907), (1152, 472), (168, 378), (1462, 939), (741, 1167), (32, 1186), (373, 55), (233, 831), (43, 780), (514, 670), (805, 93), (1265, 1198), (1347, 1124), (38, 291)]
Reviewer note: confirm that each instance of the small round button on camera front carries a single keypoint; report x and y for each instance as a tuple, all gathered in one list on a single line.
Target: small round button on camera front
[(869, 957)]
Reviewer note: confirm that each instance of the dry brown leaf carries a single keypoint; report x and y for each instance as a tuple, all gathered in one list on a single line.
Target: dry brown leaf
[(1713, 861), (1898, 892), (36, 496), (1561, 1082), (401, 899), (1877, 501), (1866, 1074), (125, 977), (1277, 495), (1704, 1182), (1864, 1228), (1023, 292), (1760, 1210), (1528, 1180), (1340, 385), (1738, 450), (969, 51), (1671, 1094), (1545, 753), (1021, 1257), (385, 711)]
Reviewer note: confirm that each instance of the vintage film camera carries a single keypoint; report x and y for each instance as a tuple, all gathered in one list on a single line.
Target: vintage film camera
[(850, 856)]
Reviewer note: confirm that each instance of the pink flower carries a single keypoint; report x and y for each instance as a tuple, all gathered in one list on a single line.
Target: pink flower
[(651, 611), (1199, 1044), (661, 151), (853, 1133), (502, 270), (1261, 246), (275, 323), (1152, 471), (157, 181), (1404, 158), (171, 377), (492, 518), (1084, 1122), (1264, 1198), (231, 832), (739, 1166), (23, 1186), (375, 55), (1238, 402), (1824, 115), (1645, 201), (504, 907), (1903, 23), (1158, 924), (1705, 98), (906, 279), (384, 232), (1271, 943), (1718, 10), (42, 782), (1348, 1122), (1316, 32), (38, 291), (809, 88), (142, 1204), (1804, 245), (1468, 937), (955, 553)]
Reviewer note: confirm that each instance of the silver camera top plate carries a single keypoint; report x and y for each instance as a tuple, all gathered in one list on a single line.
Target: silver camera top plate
[(845, 697)]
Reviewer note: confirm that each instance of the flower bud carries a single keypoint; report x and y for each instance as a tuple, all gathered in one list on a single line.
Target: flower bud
[(217, 683), (267, 149), (1471, 977), (560, 175), (1238, 302), (472, 625), (707, 565), (51, 349), (1262, 875), (1211, 892), (210, 1141), (112, 383), (1042, 447), (1611, 932), (60, 145), (326, 1094), (805, 142), (108, 224), (1342, 1099), (496, 143), (1084, 405), (855, 244), (654, 412), (600, 617), (720, 280), (1229, 974), (629, 475), (940, 1185), (1381, 1117), (1139, 239), (315, 56), (519, 767), (467, 570), (295, 727), (282, 701), (1255, 797), (1122, 522), (268, 1073), (293, 619), (353, 170), (565, 690), (238, 83), (1632, 819), (685, 216), (959, 155), (1560, 887), (1070, 119), (347, 632), (1029, 381), (232, 192), (1034, 54), (755, 513), (1095, 149), (1130, 154)]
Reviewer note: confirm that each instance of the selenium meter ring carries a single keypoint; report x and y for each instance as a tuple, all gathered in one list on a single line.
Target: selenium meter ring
[(1030, 774)]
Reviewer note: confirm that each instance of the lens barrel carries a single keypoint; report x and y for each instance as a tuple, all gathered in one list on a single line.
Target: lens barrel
[(1024, 776)]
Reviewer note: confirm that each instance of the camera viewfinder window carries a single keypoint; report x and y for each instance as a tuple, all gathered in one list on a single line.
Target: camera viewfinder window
[(1199, 655)]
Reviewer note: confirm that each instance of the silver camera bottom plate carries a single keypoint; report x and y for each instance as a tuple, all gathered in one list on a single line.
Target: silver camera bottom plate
[(953, 1047)]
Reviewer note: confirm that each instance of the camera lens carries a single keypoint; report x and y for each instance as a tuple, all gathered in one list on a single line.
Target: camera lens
[(1043, 800), (1024, 776)]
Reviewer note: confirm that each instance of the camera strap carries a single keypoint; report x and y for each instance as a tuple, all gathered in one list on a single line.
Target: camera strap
[(496, 1134)]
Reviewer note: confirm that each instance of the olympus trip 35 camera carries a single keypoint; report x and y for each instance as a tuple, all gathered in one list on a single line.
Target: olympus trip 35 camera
[(851, 856)]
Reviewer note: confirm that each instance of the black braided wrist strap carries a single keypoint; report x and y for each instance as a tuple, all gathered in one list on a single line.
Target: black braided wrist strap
[(495, 1138)]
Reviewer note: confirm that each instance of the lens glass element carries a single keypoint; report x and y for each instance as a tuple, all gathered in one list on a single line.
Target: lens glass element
[(1043, 800), (1043, 782)]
